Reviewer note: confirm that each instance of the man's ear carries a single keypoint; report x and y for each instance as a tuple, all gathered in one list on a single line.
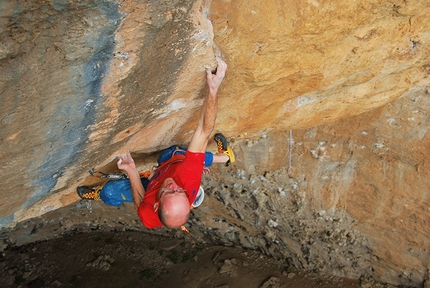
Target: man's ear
[(156, 206)]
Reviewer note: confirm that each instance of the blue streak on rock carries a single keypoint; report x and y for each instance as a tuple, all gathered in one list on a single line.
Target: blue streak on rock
[(6, 221), (67, 132)]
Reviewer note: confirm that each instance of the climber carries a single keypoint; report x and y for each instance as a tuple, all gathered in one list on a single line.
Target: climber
[(170, 193)]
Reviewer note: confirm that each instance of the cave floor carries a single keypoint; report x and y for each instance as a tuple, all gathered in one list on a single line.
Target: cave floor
[(136, 259)]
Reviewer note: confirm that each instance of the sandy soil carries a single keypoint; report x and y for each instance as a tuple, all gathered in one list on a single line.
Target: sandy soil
[(136, 259)]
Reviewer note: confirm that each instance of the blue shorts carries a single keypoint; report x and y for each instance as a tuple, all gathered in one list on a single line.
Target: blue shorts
[(116, 192)]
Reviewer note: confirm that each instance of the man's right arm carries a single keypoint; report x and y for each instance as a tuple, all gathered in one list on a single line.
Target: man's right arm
[(209, 110)]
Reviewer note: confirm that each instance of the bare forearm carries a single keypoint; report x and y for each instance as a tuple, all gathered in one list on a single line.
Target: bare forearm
[(209, 113), (126, 163), (137, 190), (206, 124)]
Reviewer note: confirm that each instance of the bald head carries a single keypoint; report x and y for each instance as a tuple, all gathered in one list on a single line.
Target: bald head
[(174, 210)]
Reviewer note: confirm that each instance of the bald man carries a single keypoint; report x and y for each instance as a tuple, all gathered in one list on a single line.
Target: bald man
[(174, 186)]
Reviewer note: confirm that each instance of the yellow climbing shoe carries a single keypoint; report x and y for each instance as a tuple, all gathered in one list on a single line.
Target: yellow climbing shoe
[(223, 147), (88, 193)]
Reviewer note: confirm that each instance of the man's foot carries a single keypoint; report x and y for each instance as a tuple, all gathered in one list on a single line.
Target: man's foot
[(223, 147), (88, 193)]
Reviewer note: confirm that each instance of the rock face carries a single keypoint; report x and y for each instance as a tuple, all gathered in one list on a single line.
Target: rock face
[(326, 104)]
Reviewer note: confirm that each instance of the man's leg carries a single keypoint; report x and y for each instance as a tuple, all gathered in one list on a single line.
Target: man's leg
[(225, 153), (210, 158), (220, 158), (113, 193)]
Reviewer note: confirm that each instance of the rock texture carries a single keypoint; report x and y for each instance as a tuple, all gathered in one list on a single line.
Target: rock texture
[(326, 104)]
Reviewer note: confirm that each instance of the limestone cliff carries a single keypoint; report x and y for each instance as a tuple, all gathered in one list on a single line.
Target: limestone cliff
[(326, 103)]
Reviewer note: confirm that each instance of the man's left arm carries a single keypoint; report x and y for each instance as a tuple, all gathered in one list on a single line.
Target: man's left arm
[(126, 162)]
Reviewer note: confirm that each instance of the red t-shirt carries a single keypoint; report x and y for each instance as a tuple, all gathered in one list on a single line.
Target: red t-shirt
[(186, 173)]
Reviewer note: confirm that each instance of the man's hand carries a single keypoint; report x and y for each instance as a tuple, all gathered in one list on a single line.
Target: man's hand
[(126, 162), (214, 80)]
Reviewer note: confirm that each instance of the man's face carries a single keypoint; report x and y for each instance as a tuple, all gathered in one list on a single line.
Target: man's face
[(174, 202), (170, 192)]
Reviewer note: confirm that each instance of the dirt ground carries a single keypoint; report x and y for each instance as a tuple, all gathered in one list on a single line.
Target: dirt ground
[(136, 259)]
